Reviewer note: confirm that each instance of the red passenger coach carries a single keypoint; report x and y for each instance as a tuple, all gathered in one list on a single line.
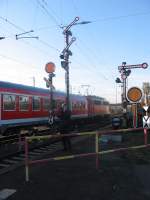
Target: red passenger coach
[(97, 106), (21, 105), (26, 106)]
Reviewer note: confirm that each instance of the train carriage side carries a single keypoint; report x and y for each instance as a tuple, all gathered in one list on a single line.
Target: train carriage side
[(79, 110), (79, 106), (98, 108), (22, 105), (25, 105)]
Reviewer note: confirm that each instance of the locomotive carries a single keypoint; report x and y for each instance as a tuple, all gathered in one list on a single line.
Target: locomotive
[(26, 106)]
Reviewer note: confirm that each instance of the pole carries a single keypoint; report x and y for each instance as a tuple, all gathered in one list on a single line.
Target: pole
[(34, 81), (137, 118), (26, 160), (67, 72), (124, 90), (51, 91), (124, 74), (116, 93), (96, 150), (145, 136), (124, 99), (50, 68), (51, 112), (65, 55), (125, 82), (134, 115)]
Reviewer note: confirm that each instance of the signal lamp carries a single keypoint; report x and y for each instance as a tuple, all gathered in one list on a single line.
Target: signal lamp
[(128, 72), (64, 64), (61, 56), (118, 80)]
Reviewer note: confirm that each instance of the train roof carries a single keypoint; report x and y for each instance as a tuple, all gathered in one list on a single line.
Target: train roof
[(35, 90)]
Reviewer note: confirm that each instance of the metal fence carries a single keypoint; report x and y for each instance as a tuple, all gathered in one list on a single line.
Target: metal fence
[(97, 152)]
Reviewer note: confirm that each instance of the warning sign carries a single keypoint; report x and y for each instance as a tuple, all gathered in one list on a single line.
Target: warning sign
[(146, 122)]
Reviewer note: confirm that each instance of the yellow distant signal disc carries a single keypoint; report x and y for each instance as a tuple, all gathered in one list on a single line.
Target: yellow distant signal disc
[(134, 94)]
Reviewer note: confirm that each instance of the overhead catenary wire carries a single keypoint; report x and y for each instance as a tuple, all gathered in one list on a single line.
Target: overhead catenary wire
[(108, 19), (21, 29), (44, 52), (73, 3), (61, 8), (111, 18), (51, 16), (11, 23), (42, 28), (44, 2), (91, 62), (98, 20), (36, 11), (12, 36), (121, 16), (48, 45), (92, 53), (15, 60)]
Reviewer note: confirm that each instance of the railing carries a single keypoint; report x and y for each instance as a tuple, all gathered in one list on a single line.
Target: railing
[(96, 153)]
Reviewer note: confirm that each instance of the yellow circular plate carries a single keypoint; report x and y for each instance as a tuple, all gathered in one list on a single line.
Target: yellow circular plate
[(134, 94)]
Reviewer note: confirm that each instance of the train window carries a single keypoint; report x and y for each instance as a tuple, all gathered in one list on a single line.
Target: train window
[(24, 103), (46, 104), (105, 103), (97, 102), (36, 103), (100, 102), (9, 102)]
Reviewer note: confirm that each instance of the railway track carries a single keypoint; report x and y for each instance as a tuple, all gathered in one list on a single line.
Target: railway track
[(15, 160), (16, 138), (10, 161)]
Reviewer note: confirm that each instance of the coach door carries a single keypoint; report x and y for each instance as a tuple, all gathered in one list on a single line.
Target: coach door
[(90, 107)]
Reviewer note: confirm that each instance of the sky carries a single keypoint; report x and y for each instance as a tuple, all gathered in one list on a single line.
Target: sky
[(119, 32)]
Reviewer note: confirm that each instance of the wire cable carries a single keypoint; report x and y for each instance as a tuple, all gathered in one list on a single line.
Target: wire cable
[(21, 29), (52, 17), (92, 53), (15, 60), (121, 16), (91, 62)]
